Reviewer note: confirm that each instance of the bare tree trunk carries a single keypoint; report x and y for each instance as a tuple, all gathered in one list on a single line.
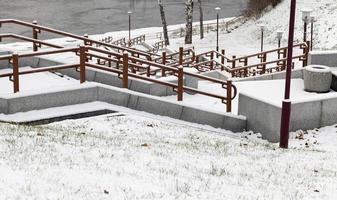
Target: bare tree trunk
[(189, 21), (163, 20), (201, 20)]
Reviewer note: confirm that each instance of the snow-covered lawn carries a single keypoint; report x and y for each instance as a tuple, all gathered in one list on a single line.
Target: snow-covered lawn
[(127, 156)]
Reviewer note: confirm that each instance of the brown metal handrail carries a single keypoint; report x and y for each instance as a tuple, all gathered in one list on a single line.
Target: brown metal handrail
[(266, 52), (137, 40), (38, 28), (83, 52), (38, 43)]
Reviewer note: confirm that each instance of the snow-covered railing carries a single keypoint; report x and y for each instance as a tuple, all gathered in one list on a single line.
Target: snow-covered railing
[(37, 29), (120, 42), (137, 40), (128, 63), (240, 67)]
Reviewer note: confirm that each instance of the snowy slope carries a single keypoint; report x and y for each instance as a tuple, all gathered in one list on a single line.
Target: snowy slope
[(325, 29), (121, 156)]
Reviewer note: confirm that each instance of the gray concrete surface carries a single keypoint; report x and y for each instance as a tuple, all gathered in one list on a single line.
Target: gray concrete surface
[(265, 118), (296, 73), (4, 64), (328, 58), (23, 102)]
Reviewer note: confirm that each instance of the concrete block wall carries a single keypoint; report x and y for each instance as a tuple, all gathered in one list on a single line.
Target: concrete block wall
[(296, 73), (4, 64), (18, 103), (121, 97), (265, 118), (327, 58)]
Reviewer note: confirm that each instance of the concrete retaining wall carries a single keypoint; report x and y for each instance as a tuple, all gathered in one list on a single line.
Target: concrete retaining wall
[(121, 97), (265, 118), (327, 58), (296, 73), (4, 64)]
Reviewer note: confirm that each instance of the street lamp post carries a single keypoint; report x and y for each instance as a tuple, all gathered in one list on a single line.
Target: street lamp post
[(262, 27), (279, 38), (286, 104), (312, 20), (217, 9), (305, 18), (129, 13)]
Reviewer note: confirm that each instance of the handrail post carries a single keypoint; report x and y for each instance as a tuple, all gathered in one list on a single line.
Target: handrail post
[(306, 54), (164, 63), (180, 82), (15, 59), (212, 59), (83, 58), (229, 96), (125, 70), (181, 55), (223, 56), (264, 59), (35, 36), (234, 62)]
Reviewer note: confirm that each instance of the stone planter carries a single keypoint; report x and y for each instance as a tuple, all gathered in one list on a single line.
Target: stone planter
[(317, 78)]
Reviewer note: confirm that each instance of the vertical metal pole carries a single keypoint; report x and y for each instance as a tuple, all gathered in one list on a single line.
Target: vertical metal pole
[(125, 70), (35, 36), (83, 58), (212, 59), (222, 59), (305, 31), (229, 96), (164, 63), (234, 62), (312, 36), (217, 32), (181, 55), (180, 82), (262, 35), (286, 105), (129, 30), (15, 58), (279, 46)]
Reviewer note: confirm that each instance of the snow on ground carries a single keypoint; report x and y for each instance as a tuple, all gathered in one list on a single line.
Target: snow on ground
[(122, 156), (129, 155), (37, 81)]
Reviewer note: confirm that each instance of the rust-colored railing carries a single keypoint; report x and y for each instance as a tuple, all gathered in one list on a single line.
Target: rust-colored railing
[(106, 40), (137, 40), (265, 62), (37, 29), (157, 46), (120, 42), (127, 62), (240, 67)]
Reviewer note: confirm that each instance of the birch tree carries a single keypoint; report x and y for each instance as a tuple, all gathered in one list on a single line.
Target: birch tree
[(163, 20), (189, 21), (201, 20)]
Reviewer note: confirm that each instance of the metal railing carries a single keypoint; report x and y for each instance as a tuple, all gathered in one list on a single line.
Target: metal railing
[(37, 29), (237, 67), (136, 40), (128, 63)]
